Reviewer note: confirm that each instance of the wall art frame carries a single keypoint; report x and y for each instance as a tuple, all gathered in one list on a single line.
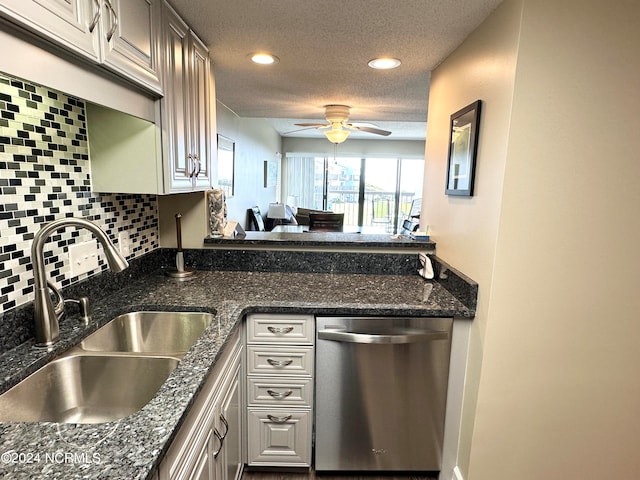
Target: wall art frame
[(464, 130)]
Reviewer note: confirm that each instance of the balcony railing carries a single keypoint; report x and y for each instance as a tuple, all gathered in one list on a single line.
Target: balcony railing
[(379, 209)]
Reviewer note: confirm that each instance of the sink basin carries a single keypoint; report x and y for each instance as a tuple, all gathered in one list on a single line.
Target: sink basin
[(165, 333), (86, 389), (111, 374)]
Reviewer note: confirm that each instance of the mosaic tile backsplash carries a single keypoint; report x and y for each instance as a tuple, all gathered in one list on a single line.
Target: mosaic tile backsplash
[(45, 174)]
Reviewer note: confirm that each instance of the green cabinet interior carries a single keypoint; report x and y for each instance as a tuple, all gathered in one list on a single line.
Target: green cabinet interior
[(125, 152)]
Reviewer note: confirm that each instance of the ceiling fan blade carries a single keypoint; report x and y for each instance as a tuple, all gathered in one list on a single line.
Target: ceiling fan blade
[(310, 124), (377, 131), (299, 130)]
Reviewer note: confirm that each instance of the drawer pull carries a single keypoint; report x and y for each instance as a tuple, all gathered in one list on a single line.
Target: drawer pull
[(280, 330), (279, 363), (274, 419), (221, 440), (275, 394), (226, 426)]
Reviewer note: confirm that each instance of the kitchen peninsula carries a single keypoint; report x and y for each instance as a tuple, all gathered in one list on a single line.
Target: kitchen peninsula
[(134, 446), (304, 239)]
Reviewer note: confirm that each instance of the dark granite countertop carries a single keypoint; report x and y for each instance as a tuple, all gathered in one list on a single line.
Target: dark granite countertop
[(305, 239), (133, 447)]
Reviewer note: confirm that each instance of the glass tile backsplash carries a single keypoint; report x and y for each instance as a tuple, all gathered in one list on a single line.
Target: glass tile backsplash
[(45, 174)]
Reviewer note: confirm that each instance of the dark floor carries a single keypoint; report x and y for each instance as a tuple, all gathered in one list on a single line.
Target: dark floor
[(311, 475)]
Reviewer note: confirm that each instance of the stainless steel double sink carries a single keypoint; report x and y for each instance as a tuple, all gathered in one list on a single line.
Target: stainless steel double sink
[(111, 374)]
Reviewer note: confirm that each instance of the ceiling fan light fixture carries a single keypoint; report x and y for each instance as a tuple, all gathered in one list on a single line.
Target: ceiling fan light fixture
[(263, 58), (337, 135), (384, 63)]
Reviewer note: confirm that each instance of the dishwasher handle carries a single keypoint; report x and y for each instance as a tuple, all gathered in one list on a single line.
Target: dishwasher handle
[(413, 336)]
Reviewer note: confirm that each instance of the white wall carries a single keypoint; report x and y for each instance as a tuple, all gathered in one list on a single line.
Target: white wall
[(552, 386), (374, 147), (256, 141)]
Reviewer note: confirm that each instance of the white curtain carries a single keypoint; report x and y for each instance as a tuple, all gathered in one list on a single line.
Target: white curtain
[(300, 179)]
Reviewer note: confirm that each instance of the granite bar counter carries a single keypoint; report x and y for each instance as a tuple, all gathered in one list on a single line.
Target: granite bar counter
[(133, 447), (303, 239)]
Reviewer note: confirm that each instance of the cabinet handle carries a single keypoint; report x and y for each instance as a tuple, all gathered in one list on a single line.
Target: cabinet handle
[(275, 394), (226, 426), (274, 419), (114, 24), (96, 17), (279, 363), (221, 439), (197, 165), (277, 330)]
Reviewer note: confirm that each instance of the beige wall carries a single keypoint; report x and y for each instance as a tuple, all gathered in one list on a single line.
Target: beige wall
[(554, 248), (466, 229), (192, 208), (560, 387)]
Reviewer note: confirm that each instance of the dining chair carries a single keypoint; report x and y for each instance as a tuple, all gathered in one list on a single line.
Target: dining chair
[(326, 222), (381, 212), (256, 222)]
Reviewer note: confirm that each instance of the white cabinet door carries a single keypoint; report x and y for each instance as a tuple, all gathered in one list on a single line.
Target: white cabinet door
[(279, 437), (72, 23), (175, 103), (121, 35), (204, 466), (131, 33), (200, 124), (230, 466), (207, 446), (186, 106)]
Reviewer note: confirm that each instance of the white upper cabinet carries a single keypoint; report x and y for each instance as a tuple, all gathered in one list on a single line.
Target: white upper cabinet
[(186, 106), (71, 23), (121, 35), (174, 154), (131, 33)]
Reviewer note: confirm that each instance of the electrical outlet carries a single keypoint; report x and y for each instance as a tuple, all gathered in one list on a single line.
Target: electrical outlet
[(124, 243), (83, 257)]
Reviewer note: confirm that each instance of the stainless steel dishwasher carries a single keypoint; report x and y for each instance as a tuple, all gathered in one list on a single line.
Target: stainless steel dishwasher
[(381, 390)]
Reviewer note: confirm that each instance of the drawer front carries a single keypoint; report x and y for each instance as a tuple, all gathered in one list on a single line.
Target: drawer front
[(283, 392), (279, 360), (279, 437), (289, 329)]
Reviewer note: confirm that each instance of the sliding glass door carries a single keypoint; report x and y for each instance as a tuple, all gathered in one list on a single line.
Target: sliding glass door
[(380, 182), (343, 188), (372, 192)]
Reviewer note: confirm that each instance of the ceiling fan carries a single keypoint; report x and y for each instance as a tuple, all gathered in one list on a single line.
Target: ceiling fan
[(338, 127)]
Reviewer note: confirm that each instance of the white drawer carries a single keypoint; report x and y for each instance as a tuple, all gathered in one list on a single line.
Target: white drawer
[(279, 437), (275, 391), (289, 329), (289, 360)]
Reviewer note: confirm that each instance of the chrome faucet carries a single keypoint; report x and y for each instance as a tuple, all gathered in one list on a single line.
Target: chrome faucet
[(46, 315)]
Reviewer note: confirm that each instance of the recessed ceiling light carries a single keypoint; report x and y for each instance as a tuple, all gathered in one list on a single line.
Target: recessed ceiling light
[(384, 63), (263, 58)]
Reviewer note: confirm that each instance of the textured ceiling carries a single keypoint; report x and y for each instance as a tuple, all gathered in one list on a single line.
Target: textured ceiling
[(324, 47)]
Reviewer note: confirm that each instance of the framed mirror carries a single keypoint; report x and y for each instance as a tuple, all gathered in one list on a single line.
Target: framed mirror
[(463, 146), (226, 164)]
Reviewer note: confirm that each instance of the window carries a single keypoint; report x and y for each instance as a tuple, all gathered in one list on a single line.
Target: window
[(373, 192)]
